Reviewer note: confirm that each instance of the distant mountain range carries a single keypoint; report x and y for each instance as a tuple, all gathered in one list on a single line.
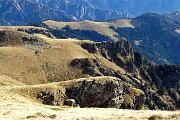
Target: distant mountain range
[(157, 36), (18, 12), (137, 7)]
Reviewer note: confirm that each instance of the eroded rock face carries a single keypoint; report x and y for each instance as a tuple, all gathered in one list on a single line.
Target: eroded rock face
[(106, 94), (54, 97), (119, 52)]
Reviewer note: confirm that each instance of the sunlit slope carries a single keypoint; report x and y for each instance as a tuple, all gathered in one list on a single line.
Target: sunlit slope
[(100, 27), (41, 63)]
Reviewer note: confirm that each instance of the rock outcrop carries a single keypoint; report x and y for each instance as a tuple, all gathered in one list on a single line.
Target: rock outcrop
[(54, 97), (119, 52), (158, 82), (138, 83), (106, 93)]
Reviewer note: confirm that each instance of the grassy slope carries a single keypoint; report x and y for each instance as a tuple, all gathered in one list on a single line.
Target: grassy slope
[(5, 80), (20, 27), (22, 64), (100, 27)]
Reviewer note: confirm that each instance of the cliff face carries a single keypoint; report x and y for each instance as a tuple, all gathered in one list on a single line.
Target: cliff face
[(18, 12), (106, 92), (157, 82), (119, 52)]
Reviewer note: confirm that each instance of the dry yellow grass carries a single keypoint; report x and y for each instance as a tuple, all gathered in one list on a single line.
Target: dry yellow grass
[(7, 81), (20, 27), (120, 23), (100, 27), (20, 63)]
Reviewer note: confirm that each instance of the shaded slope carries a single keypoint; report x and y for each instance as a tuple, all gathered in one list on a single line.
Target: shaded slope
[(19, 12), (155, 37), (134, 7)]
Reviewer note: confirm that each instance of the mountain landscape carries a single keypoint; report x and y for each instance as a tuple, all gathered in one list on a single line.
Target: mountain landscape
[(19, 12), (156, 36), (76, 70), (64, 59)]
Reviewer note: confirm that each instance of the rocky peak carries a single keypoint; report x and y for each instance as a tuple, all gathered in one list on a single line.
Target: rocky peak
[(119, 52)]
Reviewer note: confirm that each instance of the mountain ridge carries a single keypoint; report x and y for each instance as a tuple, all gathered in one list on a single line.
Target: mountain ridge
[(151, 34), (18, 12)]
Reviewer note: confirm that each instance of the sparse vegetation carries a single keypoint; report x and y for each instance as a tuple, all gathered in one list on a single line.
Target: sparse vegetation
[(39, 114), (57, 109)]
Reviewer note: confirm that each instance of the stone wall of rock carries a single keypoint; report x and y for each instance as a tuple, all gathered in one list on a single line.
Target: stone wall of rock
[(108, 93), (120, 52), (54, 97)]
